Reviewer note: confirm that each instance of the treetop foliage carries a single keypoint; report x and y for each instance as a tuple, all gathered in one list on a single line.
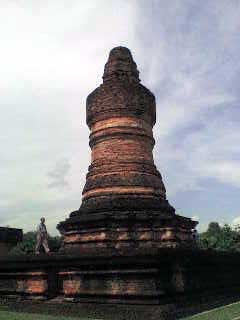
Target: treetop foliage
[(224, 238)]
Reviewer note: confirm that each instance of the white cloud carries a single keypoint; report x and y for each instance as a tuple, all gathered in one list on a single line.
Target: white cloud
[(58, 174), (236, 222)]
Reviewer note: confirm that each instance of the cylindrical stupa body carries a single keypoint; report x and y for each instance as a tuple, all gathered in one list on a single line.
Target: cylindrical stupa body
[(121, 114), (124, 199)]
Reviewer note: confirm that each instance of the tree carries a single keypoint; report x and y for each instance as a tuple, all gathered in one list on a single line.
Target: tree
[(223, 238), (214, 228)]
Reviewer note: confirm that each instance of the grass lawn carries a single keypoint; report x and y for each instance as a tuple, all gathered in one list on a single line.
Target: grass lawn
[(9, 315), (229, 312)]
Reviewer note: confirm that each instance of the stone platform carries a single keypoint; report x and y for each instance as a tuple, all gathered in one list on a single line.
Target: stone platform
[(169, 279)]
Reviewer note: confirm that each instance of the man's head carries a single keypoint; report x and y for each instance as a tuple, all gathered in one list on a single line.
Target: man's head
[(42, 220)]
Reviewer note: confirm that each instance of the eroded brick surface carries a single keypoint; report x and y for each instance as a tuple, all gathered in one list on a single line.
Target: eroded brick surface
[(123, 187)]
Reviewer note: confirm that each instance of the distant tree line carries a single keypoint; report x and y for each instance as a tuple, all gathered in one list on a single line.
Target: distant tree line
[(224, 238)]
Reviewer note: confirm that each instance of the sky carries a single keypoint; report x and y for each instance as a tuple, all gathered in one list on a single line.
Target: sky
[(52, 56)]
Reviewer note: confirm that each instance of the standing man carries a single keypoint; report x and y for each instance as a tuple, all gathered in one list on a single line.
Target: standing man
[(42, 237)]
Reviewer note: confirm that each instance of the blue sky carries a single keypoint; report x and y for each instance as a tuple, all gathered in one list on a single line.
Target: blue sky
[(52, 56)]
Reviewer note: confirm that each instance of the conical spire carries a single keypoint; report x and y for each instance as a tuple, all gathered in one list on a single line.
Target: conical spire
[(121, 66)]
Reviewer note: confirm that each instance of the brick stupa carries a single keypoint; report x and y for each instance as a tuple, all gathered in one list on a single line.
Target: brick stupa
[(124, 206)]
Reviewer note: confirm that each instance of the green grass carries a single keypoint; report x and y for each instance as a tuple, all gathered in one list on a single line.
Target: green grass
[(9, 315), (229, 312)]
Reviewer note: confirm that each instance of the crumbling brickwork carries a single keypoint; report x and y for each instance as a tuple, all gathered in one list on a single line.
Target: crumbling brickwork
[(124, 201)]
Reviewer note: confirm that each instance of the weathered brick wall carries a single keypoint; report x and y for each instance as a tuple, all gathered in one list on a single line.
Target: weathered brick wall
[(161, 277)]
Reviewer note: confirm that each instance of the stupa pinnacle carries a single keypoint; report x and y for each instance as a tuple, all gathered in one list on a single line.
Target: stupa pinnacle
[(124, 203), (121, 64)]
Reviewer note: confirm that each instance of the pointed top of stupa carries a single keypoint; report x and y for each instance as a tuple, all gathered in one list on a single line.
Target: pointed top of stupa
[(121, 66)]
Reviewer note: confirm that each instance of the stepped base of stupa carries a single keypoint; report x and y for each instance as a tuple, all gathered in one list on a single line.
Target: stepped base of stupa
[(117, 232)]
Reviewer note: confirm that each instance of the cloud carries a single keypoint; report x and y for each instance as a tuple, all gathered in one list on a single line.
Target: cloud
[(58, 174), (236, 221), (202, 149), (192, 71)]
